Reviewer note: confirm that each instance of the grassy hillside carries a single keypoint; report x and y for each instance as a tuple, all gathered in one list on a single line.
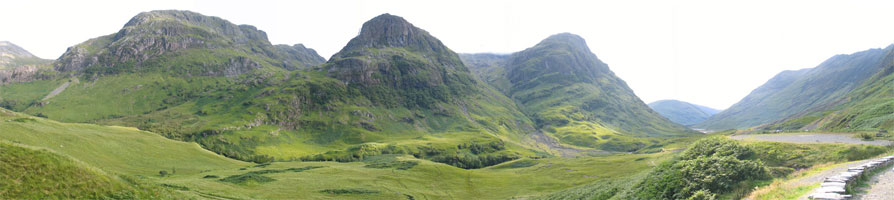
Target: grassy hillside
[(682, 112), (97, 160), (30, 173), (795, 92), (573, 96), (111, 149), (869, 107)]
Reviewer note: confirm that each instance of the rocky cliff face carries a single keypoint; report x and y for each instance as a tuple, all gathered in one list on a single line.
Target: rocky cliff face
[(395, 61), (169, 33), (19, 65)]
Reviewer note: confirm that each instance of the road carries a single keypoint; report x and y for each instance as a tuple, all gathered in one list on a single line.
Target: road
[(838, 138)]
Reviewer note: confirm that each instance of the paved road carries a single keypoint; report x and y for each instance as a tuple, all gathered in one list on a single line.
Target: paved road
[(811, 138)]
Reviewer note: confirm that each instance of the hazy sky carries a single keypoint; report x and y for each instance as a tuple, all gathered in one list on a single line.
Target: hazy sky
[(705, 52)]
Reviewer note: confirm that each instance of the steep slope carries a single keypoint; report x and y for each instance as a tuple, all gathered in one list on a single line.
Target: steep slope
[(868, 107), (392, 61), (682, 112), (393, 89), (19, 65), (490, 68), (793, 92), (182, 42), (574, 96)]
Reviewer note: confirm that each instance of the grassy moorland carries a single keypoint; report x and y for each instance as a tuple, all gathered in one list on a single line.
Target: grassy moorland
[(129, 154)]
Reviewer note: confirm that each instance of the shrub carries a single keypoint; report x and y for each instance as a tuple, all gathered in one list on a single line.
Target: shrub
[(710, 166), (717, 146), (703, 195)]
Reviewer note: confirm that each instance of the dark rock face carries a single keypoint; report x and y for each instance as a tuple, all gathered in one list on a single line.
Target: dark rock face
[(392, 31), (393, 59), (155, 34)]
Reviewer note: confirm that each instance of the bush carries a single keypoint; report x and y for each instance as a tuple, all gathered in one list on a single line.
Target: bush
[(711, 166), (703, 195), (717, 146)]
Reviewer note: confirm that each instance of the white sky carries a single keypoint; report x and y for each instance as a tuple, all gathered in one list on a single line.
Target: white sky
[(711, 53)]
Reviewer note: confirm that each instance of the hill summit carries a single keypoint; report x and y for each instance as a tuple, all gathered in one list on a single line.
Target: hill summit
[(151, 40), (394, 61)]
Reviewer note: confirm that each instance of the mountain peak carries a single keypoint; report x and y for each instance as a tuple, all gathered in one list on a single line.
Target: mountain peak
[(573, 42), (388, 30), (8, 49), (567, 37)]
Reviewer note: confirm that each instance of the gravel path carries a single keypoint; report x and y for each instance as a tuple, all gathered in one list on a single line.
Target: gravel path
[(820, 176), (811, 138), (880, 187)]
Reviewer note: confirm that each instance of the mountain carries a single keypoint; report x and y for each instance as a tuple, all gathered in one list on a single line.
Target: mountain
[(795, 93), (682, 112), (182, 42), (19, 65), (391, 61), (574, 96), (868, 107), (393, 89)]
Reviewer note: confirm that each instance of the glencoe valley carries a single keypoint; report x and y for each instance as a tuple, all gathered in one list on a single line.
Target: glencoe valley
[(177, 104)]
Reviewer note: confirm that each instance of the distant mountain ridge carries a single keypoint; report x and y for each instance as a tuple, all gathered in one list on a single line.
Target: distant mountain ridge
[(682, 112), (19, 65), (793, 94)]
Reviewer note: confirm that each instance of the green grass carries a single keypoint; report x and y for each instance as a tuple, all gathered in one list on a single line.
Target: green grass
[(196, 172), (113, 149), (29, 173)]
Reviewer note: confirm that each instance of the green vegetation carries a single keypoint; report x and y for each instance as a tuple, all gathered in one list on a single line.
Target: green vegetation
[(573, 96), (711, 166), (844, 93), (200, 176), (135, 152), (721, 168), (40, 174)]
